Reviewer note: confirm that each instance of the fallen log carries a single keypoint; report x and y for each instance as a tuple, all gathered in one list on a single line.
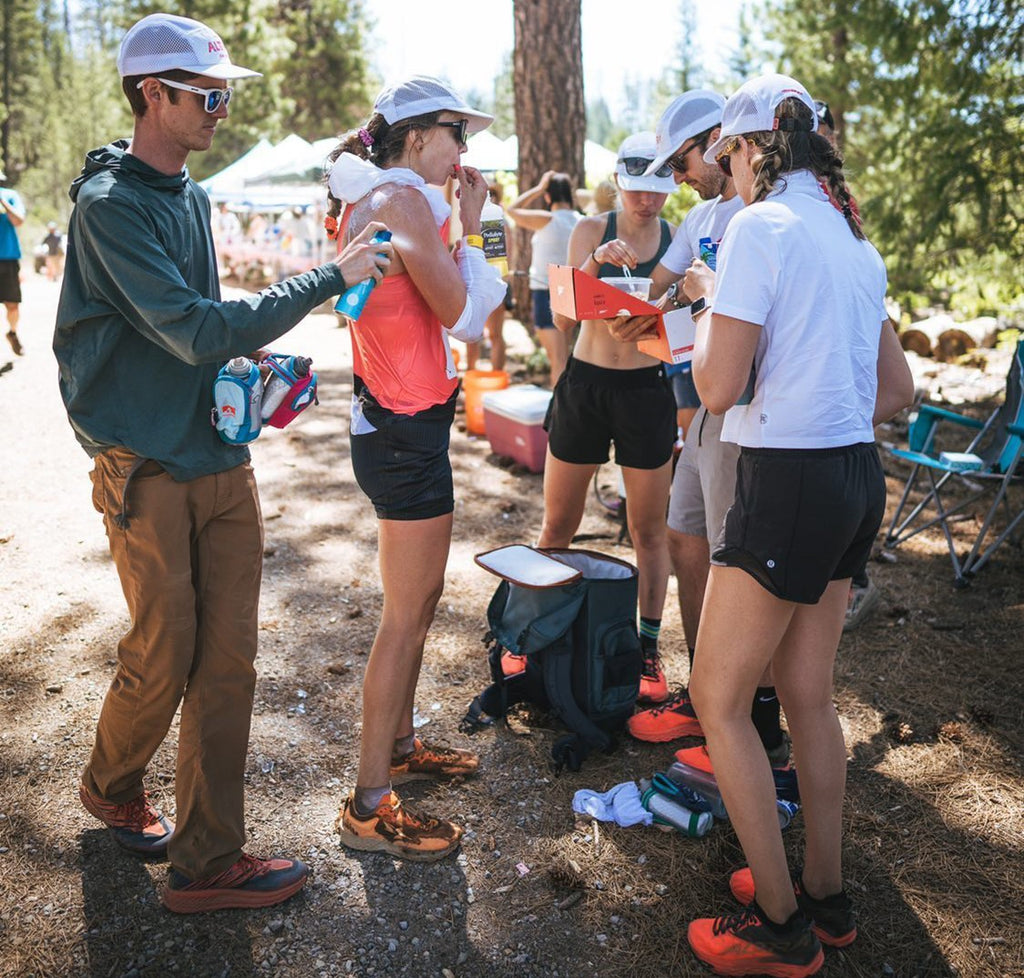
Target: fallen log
[(945, 340)]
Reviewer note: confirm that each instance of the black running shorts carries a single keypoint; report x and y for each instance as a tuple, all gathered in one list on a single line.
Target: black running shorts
[(803, 517), (403, 466), (593, 407), (10, 281)]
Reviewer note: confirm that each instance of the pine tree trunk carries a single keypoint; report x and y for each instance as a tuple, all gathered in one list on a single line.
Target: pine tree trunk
[(551, 120)]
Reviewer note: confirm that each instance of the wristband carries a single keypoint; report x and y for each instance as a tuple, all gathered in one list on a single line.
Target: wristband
[(593, 256), (475, 241)]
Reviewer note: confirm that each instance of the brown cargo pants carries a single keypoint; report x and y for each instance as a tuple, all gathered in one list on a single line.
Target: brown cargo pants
[(190, 560)]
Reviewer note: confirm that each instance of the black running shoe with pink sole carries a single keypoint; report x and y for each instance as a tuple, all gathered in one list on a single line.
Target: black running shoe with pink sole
[(743, 944), (832, 918)]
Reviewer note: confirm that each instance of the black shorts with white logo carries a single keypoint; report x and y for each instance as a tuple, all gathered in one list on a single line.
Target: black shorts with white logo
[(593, 407), (803, 517), (401, 461)]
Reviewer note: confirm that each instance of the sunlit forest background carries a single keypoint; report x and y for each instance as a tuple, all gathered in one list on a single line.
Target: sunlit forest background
[(927, 95)]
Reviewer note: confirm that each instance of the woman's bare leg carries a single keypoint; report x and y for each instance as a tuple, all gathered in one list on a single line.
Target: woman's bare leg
[(565, 496), (741, 626), (413, 555), (647, 495)]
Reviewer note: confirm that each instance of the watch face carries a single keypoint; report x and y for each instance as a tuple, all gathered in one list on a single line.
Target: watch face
[(697, 306)]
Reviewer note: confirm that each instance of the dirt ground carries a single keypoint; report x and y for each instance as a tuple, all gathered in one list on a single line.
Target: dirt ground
[(929, 691)]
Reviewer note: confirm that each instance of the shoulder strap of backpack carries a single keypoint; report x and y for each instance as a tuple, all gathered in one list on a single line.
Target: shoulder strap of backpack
[(569, 751)]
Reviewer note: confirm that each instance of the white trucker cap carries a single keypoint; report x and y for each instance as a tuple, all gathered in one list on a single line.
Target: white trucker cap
[(751, 108), (421, 94), (165, 42), (686, 116), (640, 146)]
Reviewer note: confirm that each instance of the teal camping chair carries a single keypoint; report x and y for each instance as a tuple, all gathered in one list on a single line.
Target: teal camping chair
[(988, 465)]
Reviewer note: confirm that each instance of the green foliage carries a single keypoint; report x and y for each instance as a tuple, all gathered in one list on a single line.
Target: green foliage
[(688, 69), (64, 97), (678, 204), (927, 98), (503, 105)]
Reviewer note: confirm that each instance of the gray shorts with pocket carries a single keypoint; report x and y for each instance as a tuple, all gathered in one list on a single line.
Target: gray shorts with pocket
[(704, 484)]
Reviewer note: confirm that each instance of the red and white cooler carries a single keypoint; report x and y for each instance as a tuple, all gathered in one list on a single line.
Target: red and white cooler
[(514, 423)]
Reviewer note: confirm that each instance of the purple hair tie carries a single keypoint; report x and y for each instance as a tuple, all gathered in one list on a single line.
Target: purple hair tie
[(365, 138)]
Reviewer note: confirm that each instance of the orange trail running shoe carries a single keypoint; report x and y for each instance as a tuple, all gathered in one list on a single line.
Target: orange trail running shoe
[(831, 918), (512, 664), (653, 687), (672, 719), (743, 944), (136, 824), (430, 761), (249, 882), (395, 830)]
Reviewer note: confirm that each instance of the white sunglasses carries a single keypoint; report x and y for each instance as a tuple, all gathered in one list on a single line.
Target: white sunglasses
[(213, 98)]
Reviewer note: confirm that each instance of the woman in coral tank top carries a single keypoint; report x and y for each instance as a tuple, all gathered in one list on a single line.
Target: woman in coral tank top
[(404, 391)]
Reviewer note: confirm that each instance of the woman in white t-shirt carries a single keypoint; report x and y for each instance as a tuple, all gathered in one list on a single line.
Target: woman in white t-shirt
[(798, 333), (551, 227)]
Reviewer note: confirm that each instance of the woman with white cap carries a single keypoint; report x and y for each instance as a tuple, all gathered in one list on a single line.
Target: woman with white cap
[(798, 299), (611, 393), (404, 391)]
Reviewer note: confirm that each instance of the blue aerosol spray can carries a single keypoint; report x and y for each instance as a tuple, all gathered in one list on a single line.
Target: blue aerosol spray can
[(350, 303)]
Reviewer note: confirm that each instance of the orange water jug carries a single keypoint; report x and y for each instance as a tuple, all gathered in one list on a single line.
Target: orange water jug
[(476, 383)]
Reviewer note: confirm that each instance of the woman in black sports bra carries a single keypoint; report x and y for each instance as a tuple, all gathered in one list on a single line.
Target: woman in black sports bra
[(611, 393)]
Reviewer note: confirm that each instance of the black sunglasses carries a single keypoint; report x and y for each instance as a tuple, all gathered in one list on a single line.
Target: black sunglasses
[(677, 161), (461, 128), (636, 166)]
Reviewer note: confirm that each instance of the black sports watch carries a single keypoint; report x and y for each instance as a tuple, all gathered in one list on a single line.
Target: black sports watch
[(672, 294), (698, 306)]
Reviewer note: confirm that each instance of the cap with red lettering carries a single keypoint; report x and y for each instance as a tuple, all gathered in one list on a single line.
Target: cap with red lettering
[(165, 42)]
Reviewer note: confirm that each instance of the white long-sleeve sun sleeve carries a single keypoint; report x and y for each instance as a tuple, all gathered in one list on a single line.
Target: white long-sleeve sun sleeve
[(485, 291)]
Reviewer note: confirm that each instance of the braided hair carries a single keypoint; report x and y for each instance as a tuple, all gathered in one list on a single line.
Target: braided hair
[(378, 141), (784, 150)]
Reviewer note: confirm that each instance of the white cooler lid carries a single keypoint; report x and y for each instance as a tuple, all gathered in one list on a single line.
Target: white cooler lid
[(522, 402)]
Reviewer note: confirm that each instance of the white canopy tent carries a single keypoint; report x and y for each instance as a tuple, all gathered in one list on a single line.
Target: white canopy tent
[(290, 173), (488, 153), (598, 161), (233, 176), (269, 178)]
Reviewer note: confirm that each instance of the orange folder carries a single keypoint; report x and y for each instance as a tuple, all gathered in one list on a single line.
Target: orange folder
[(581, 296)]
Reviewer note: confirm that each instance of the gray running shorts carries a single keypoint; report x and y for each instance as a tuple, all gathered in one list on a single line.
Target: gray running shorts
[(705, 480)]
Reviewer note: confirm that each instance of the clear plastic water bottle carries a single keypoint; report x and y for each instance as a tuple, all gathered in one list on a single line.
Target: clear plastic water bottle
[(672, 812), (706, 786), (786, 810), (702, 783), (275, 388), (351, 302)]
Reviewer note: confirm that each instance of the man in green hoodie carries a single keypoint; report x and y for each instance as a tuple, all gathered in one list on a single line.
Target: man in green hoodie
[(141, 332)]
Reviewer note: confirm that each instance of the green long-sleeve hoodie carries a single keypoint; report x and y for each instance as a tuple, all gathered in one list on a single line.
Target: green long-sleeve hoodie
[(141, 329)]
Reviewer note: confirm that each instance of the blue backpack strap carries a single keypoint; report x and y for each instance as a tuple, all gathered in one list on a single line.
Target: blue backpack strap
[(273, 361), (569, 751)]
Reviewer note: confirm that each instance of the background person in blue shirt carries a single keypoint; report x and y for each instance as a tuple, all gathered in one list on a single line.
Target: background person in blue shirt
[(12, 215)]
